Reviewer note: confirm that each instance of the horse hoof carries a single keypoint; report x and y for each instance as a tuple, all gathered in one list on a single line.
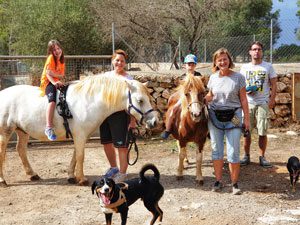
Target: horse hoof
[(72, 180), (3, 184), (200, 182), (84, 183), (179, 177), (35, 178)]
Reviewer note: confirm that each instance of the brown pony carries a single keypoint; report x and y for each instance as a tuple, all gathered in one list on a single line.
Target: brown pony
[(190, 121)]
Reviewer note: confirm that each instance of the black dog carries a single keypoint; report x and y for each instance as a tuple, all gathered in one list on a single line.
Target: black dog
[(116, 198), (293, 167)]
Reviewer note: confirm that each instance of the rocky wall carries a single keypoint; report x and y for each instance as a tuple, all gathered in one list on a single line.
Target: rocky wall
[(161, 86)]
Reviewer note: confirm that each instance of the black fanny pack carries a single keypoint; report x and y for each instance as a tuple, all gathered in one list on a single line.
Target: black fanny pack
[(225, 115)]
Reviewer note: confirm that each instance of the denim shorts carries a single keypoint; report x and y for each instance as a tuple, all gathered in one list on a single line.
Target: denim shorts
[(51, 92), (260, 113), (231, 136)]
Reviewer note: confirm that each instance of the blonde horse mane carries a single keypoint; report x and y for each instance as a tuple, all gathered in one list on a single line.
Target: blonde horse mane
[(113, 86), (190, 83)]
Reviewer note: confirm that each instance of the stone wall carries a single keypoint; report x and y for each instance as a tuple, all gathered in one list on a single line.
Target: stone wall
[(161, 86), (281, 115)]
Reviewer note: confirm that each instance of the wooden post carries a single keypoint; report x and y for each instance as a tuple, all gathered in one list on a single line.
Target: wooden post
[(174, 60), (296, 96)]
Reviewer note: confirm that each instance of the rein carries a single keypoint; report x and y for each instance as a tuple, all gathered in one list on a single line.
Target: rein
[(136, 109)]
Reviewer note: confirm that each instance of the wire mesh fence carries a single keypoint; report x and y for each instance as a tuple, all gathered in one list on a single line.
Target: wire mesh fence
[(28, 69), (281, 45)]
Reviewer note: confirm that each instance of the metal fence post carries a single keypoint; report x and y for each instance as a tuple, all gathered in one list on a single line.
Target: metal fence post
[(271, 42), (134, 51), (113, 37), (205, 50), (112, 41), (179, 51)]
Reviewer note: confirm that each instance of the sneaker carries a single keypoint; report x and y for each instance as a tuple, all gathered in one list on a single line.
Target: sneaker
[(49, 132), (111, 172), (264, 163), (245, 160), (236, 190), (165, 134), (217, 186), (120, 177)]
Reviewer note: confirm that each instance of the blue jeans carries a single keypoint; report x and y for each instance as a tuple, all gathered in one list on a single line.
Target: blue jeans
[(232, 137)]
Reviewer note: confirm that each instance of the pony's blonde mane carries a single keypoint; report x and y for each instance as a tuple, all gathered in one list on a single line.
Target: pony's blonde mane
[(111, 87), (190, 83)]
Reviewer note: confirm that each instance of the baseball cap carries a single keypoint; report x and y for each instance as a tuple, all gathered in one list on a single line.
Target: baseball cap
[(190, 58)]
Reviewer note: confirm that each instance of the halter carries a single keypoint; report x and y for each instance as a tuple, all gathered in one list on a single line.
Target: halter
[(200, 103), (136, 109)]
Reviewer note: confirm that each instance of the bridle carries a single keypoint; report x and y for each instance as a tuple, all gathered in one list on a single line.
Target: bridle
[(131, 106), (202, 105), (198, 102)]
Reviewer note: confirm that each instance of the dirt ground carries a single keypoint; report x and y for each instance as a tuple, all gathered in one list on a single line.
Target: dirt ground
[(266, 197)]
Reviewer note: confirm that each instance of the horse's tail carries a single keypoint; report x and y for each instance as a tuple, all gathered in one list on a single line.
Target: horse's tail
[(149, 166)]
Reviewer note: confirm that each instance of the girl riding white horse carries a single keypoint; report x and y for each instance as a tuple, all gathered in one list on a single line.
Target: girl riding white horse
[(90, 102)]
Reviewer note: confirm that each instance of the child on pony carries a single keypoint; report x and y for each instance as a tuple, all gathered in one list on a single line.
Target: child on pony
[(190, 62), (54, 71)]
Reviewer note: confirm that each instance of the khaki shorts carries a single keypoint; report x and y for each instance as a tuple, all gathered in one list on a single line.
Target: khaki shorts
[(259, 118)]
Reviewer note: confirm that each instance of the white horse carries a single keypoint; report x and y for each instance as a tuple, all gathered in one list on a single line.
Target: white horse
[(90, 101)]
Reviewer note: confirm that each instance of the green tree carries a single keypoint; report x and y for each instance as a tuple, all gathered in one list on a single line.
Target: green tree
[(30, 24), (298, 14), (148, 25), (242, 22), (4, 31), (293, 51)]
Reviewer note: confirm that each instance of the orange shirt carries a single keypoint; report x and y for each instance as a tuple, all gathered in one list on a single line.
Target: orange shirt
[(50, 65)]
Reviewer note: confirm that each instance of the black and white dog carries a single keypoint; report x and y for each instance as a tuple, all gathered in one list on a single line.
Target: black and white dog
[(293, 167), (116, 198)]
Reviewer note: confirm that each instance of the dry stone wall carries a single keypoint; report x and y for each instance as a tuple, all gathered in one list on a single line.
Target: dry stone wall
[(281, 115), (162, 85)]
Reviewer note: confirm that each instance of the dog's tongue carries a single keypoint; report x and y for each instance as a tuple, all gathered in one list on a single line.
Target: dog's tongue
[(105, 200)]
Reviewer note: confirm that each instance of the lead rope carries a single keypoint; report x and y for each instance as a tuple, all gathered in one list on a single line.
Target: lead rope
[(131, 140)]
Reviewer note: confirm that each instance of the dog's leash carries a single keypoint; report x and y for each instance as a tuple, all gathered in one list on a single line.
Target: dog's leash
[(131, 140)]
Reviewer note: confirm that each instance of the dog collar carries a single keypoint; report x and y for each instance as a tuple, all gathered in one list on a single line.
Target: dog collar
[(114, 206)]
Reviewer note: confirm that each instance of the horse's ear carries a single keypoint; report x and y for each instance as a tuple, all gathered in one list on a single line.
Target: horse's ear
[(130, 84), (146, 83), (205, 80)]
